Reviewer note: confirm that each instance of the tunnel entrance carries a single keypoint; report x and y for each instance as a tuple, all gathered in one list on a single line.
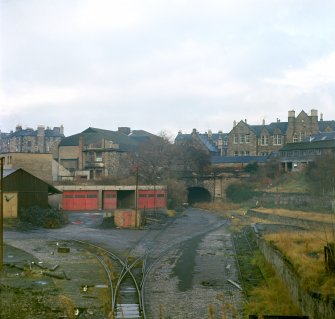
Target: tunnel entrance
[(198, 195)]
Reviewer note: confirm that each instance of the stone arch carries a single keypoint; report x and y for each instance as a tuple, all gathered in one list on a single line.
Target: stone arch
[(197, 194)]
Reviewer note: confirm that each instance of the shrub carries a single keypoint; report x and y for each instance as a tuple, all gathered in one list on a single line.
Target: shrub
[(43, 217), (238, 193)]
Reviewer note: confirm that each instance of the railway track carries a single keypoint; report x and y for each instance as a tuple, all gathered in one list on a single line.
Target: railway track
[(128, 275), (245, 249), (125, 277)]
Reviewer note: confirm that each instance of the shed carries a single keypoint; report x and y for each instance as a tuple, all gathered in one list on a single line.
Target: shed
[(22, 190)]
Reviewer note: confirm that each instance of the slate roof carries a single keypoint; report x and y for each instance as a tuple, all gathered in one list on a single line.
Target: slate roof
[(324, 124), (237, 159), (322, 136), (30, 132), (95, 135), (203, 138)]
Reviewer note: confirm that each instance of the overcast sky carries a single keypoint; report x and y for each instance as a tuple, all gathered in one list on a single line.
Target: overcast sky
[(164, 65)]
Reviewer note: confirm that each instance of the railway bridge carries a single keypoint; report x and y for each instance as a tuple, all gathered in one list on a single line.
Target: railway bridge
[(204, 188)]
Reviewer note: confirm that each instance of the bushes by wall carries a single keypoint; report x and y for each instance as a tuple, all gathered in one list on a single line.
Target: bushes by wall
[(41, 217)]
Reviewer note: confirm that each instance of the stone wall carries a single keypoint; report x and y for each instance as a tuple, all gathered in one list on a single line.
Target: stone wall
[(310, 303), (302, 201)]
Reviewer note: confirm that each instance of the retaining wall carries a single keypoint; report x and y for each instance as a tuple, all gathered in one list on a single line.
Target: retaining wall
[(310, 303), (305, 223), (303, 201)]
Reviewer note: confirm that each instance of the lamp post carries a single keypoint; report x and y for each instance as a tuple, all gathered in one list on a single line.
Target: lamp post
[(1, 213)]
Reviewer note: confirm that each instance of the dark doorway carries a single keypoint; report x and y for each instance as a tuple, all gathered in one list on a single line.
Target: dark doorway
[(198, 195), (126, 199)]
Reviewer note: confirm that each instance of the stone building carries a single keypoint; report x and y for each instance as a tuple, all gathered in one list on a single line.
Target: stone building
[(295, 156), (214, 143), (42, 140), (96, 153), (261, 140), (256, 140), (37, 164)]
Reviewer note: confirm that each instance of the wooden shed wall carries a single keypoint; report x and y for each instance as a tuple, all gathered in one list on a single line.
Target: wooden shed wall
[(31, 190)]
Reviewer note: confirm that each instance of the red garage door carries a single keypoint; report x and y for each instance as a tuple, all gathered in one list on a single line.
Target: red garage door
[(80, 200), (151, 199), (109, 199)]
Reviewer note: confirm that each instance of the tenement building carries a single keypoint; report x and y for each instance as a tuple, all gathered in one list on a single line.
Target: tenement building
[(260, 140), (96, 153), (42, 140)]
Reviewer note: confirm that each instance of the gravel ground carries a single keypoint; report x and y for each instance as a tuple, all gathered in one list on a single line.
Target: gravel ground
[(188, 282), (209, 263)]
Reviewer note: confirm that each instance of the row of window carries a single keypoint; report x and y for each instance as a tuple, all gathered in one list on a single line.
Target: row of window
[(151, 195), (300, 153), (81, 196), (264, 139), (247, 153)]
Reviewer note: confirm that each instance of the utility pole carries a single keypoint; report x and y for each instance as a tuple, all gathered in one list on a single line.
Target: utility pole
[(1, 213), (136, 197)]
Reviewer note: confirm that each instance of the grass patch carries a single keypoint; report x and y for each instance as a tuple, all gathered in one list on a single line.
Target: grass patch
[(319, 217), (290, 182), (171, 212), (305, 252), (271, 298)]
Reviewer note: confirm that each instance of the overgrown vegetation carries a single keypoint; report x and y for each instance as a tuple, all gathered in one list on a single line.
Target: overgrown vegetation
[(321, 175), (272, 297), (305, 252), (240, 192), (43, 217)]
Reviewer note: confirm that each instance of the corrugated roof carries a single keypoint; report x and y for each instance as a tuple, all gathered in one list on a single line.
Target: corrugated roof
[(51, 188), (309, 145), (8, 171)]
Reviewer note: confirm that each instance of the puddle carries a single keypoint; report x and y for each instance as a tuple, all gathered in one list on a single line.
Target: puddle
[(185, 264)]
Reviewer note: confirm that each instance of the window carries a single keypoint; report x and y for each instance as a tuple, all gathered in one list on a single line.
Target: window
[(91, 196), (295, 138), (302, 136), (160, 195), (277, 139), (264, 140), (242, 153), (235, 138), (142, 195), (247, 138), (98, 156), (236, 153), (242, 138), (247, 153)]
